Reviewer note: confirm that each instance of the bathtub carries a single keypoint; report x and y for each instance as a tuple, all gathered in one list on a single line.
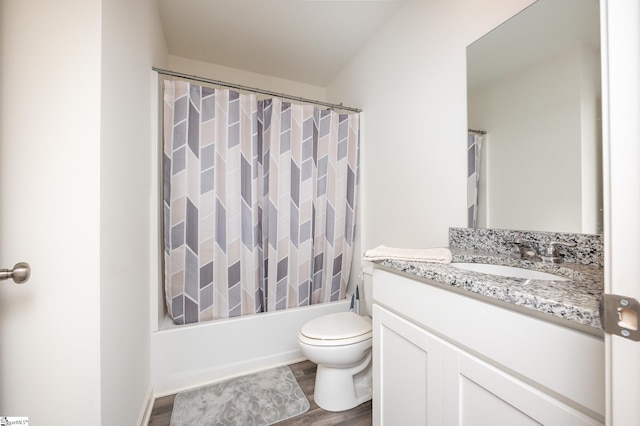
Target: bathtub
[(187, 356), (191, 355)]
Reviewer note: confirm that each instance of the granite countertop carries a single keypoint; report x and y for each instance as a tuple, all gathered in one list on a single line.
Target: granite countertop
[(575, 301)]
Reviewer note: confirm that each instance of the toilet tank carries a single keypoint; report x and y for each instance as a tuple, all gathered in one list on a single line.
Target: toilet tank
[(366, 289)]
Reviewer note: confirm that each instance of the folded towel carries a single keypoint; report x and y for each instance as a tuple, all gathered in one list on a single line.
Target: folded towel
[(433, 255)]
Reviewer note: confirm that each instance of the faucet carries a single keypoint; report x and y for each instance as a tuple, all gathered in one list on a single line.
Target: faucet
[(528, 250), (549, 254)]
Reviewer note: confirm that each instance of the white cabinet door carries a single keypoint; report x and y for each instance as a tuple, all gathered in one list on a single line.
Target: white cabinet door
[(407, 372), (476, 393)]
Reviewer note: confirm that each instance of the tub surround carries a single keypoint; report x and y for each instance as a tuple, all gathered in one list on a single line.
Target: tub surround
[(574, 303)]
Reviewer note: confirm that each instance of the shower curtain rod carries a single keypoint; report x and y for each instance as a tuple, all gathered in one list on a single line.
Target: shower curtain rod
[(482, 132), (253, 89)]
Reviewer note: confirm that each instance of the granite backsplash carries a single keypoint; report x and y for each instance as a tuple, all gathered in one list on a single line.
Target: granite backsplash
[(588, 250)]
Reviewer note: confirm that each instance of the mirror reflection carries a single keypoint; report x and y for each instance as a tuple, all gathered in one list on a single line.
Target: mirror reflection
[(534, 87)]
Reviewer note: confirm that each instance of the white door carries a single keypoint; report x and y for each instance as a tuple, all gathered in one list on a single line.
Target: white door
[(621, 124), (49, 210)]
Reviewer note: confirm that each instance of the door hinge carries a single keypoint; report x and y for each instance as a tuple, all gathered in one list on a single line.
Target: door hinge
[(619, 315)]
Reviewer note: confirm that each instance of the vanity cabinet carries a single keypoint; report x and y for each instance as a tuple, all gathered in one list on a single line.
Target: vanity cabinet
[(443, 358)]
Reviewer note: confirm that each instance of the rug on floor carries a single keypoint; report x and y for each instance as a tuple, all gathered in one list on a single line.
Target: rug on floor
[(262, 398)]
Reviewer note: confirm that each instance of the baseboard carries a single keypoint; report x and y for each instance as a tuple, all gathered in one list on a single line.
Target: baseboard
[(147, 407)]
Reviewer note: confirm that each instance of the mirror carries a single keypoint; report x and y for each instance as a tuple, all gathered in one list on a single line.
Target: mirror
[(533, 84)]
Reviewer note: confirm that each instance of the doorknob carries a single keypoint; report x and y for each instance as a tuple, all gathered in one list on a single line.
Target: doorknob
[(20, 273)]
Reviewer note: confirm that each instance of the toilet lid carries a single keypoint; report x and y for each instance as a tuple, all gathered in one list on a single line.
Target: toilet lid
[(342, 325)]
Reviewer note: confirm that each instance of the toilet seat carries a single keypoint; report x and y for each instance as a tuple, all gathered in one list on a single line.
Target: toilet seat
[(343, 328)]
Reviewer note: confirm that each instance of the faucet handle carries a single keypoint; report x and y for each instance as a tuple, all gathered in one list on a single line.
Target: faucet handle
[(519, 242), (552, 247), (528, 249)]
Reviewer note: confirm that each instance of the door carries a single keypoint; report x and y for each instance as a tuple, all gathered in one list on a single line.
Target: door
[(621, 109), (49, 210)]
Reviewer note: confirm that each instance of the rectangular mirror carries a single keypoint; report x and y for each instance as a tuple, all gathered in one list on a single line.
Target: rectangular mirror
[(533, 85)]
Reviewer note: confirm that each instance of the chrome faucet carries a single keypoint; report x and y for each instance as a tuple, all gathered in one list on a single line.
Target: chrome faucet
[(548, 254), (528, 250), (551, 254)]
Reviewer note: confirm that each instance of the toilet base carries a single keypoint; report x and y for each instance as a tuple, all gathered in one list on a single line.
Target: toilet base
[(340, 389)]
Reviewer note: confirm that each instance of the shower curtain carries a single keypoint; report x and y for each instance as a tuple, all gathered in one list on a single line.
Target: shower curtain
[(259, 203), (474, 146)]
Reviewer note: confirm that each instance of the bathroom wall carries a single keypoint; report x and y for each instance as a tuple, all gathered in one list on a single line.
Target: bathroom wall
[(132, 42), (245, 78), (410, 81)]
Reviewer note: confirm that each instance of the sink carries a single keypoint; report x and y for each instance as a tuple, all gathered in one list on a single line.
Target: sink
[(508, 271)]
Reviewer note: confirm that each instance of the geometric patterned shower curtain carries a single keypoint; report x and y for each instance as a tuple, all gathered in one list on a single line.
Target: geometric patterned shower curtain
[(475, 140), (259, 203)]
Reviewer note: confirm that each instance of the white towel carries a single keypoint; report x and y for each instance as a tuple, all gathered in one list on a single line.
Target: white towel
[(433, 255)]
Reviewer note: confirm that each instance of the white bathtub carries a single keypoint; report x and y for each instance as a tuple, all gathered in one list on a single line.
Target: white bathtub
[(192, 355)]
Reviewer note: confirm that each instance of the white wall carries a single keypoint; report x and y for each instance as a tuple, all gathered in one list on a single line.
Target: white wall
[(410, 81), (50, 65), (132, 41), (245, 78), (533, 150)]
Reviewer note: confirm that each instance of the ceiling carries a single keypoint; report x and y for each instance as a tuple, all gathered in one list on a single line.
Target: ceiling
[(308, 41)]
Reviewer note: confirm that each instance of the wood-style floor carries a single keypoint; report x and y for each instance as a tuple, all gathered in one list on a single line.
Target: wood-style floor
[(305, 373)]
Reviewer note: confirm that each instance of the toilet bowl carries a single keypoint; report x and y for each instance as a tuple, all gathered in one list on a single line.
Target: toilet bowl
[(340, 344)]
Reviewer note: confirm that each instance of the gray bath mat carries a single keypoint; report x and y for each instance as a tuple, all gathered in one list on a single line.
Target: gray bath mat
[(262, 398)]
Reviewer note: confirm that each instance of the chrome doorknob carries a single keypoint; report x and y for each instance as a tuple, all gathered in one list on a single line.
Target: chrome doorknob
[(20, 273)]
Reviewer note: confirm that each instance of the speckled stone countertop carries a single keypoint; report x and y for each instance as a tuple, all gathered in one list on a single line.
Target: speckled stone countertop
[(588, 249), (575, 301)]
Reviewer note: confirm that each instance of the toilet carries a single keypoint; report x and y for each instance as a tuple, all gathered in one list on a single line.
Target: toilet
[(340, 344)]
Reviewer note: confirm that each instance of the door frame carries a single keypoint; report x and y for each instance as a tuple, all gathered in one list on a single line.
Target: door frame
[(620, 41)]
